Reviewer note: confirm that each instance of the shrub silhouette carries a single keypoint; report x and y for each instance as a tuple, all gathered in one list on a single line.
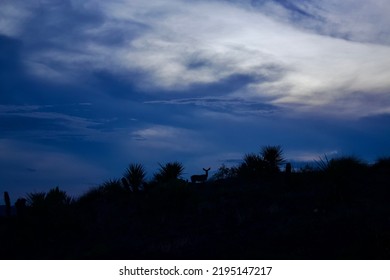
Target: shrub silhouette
[(253, 167), (224, 172), (342, 166)]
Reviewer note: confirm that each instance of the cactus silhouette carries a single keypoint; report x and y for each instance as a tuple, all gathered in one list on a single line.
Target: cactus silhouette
[(288, 169), (7, 201), (287, 172), (20, 206)]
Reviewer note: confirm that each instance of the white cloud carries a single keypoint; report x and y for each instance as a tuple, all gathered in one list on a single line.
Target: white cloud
[(341, 50), (170, 139)]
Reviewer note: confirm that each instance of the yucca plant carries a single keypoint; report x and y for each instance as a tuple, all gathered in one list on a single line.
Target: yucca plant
[(135, 175), (168, 172), (273, 157)]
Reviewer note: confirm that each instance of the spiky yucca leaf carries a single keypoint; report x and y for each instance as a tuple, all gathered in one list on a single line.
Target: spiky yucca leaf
[(253, 161), (135, 175), (341, 164), (322, 163), (252, 166), (111, 186), (36, 199), (169, 171), (273, 157)]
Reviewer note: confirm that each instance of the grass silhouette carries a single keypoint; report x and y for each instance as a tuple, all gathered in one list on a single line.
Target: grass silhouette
[(337, 209)]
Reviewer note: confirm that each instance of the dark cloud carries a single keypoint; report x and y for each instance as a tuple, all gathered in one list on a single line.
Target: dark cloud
[(120, 86), (296, 11), (9, 57), (59, 22), (11, 71), (224, 86)]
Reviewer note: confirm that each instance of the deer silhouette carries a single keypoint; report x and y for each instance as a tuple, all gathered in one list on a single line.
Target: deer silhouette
[(200, 178)]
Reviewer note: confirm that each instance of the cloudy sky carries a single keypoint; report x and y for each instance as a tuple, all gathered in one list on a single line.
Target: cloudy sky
[(87, 87)]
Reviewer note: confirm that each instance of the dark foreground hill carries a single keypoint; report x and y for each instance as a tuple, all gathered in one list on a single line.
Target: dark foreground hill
[(309, 215)]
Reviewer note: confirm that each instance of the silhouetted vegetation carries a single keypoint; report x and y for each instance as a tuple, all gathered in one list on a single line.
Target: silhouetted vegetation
[(335, 209), (135, 175), (7, 201), (273, 158), (169, 172)]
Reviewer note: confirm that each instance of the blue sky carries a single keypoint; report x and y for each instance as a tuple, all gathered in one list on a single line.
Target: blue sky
[(87, 87)]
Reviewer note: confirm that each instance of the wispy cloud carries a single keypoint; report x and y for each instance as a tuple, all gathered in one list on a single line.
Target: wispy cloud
[(228, 105), (46, 122)]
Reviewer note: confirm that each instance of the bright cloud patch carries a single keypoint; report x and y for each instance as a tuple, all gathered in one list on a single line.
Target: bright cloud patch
[(167, 138)]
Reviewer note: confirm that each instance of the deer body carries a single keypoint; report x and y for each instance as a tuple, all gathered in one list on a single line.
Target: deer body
[(200, 178)]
